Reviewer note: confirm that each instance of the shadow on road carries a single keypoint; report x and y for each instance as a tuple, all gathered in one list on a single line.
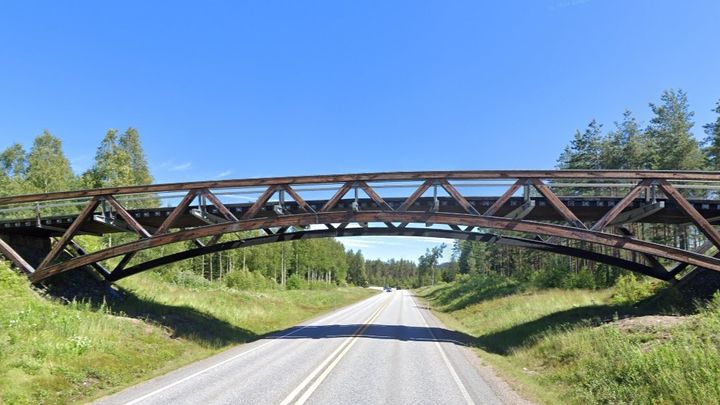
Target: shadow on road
[(374, 331)]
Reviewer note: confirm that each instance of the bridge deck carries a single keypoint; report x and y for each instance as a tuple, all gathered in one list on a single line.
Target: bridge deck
[(585, 208)]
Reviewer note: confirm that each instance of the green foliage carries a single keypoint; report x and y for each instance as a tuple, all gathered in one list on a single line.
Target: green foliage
[(631, 290), (392, 272), (119, 161), (427, 265), (65, 353), (584, 151), (295, 282), (356, 273), (247, 280), (712, 142), (581, 347), (47, 167)]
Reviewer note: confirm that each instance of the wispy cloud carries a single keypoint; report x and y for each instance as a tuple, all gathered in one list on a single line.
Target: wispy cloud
[(181, 167), (224, 174), (567, 3), (396, 241)]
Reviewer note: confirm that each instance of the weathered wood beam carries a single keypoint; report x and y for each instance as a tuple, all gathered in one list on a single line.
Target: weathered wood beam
[(219, 205), (634, 215), (260, 202), (375, 196), (558, 205), (654, 262), (621, 205), (435, 233), (176, 212), (207, 217), (531, 227), (414, 196), (707, 245), (70, 232), (495, 207), (455, 194), (336, 198), (298, 199), (703, 225), (79, 250), (14, 257), (384, 176), (134, 224), (521, 211)]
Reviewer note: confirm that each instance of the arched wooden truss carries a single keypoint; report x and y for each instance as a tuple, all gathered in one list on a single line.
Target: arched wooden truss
[(281, 211)]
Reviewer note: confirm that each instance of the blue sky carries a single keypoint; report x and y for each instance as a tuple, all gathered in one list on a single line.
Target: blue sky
[(264, 88)]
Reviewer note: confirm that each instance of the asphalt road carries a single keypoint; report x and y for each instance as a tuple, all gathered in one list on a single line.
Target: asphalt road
[(385, 349)]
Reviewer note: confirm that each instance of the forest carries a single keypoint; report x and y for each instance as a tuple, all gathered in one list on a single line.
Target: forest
[(666, 142)]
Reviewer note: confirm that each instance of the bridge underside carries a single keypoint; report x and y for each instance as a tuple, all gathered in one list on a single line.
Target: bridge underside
[(528, 214)]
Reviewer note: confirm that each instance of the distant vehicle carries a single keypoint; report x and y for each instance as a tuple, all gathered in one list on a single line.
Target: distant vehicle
[(388, 289)]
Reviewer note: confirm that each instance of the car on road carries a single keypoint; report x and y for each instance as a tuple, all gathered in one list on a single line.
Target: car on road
[(388, 289)]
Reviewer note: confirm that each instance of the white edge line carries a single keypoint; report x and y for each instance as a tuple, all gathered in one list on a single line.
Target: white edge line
[(182, 380), (454, 373)]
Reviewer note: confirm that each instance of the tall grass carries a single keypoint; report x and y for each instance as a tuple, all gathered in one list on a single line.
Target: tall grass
[(59, 353), (583, 346)]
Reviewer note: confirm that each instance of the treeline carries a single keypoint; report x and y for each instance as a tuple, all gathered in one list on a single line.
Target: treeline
[(667, 142), (120, 161)]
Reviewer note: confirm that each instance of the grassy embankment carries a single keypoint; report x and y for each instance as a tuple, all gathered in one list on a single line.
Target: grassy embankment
[(59, 353), (580, 346)]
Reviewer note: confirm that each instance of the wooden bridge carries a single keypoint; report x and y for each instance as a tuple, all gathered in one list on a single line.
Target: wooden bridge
[(540, 210)]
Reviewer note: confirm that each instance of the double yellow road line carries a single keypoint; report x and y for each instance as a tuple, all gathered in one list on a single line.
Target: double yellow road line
[(331, 361)]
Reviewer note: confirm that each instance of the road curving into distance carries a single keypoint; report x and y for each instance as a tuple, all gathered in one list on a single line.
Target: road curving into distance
[(385, 349)]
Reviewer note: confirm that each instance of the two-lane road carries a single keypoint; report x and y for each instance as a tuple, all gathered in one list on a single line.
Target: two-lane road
[(386, 349)]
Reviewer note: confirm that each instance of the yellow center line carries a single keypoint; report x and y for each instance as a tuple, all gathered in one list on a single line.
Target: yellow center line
[(333, 359)]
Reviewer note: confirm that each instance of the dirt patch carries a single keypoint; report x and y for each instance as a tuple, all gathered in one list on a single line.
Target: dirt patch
[(649, 323)]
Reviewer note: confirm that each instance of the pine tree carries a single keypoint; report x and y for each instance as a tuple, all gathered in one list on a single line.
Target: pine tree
[(584, 151), (712, 142), (669, 132)]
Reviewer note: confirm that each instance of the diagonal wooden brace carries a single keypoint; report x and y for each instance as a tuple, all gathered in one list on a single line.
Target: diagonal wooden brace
[(336, 198), (414, 196), (495, 207), (558, 205), (295, 196), (621, 205), (18, 260), (260, 202), (703, 225), (455, 194), (134, 224), (69, 233), (219, 205), (375, 196)]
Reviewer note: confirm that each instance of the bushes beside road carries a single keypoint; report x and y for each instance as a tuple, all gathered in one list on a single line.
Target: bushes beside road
[(52, 352), (587, 346)]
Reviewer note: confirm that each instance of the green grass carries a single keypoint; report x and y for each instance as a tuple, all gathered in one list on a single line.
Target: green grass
[(59, 353), (569, 346)]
